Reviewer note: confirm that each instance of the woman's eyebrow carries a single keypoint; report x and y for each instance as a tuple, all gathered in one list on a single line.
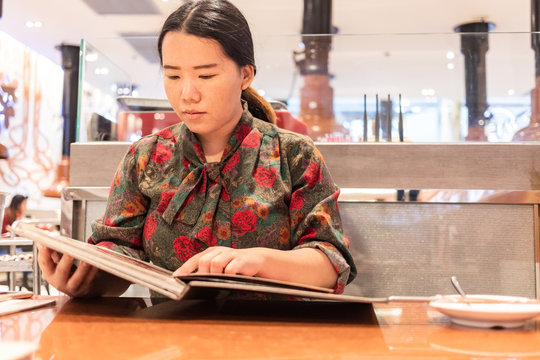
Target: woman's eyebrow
[(198, 67)]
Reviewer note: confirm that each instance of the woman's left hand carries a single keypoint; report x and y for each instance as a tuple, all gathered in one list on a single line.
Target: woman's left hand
[(224, 260)]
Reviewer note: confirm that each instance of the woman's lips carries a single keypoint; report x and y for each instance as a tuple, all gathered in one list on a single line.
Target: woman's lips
[(193, 115)]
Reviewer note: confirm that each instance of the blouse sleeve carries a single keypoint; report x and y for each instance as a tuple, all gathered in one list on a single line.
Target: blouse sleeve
[(315, 219), (121, 227)]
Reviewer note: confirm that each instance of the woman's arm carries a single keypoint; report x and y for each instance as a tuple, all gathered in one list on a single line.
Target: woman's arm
[(306, 266)]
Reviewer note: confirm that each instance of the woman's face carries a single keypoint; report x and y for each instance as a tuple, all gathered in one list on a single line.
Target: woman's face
[(203, 84)]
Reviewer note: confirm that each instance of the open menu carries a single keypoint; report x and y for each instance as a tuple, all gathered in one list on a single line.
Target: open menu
[(162, 281)]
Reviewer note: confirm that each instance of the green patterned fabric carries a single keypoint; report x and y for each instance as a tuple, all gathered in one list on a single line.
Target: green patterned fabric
[(271, 189)]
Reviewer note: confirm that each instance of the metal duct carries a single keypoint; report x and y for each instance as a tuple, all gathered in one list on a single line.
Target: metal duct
[(474, 46)]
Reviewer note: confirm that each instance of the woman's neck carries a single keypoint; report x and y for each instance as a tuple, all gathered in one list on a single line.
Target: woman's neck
[(214, 144)]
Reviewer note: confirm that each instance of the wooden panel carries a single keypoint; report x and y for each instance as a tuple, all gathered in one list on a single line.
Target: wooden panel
[(435, 166), (94, 163), (390, 166)]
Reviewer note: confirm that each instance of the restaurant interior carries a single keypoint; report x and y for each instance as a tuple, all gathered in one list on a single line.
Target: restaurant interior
[(427, 115)]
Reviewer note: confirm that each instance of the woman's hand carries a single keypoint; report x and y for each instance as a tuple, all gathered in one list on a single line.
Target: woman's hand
[(60, 272), (224, 260), (305, 266)]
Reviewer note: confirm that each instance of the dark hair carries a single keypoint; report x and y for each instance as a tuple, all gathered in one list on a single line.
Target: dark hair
[(16, 201), (221, 21), (15, 205)]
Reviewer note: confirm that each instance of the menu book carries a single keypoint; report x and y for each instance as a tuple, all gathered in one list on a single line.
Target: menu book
[(162, 281)]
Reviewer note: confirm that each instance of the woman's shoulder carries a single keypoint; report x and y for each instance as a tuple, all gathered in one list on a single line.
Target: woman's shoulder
[(165, 137), (286, 137)]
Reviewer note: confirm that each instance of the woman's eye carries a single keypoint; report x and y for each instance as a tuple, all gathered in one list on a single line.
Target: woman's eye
[(206, 76), (173, 77)]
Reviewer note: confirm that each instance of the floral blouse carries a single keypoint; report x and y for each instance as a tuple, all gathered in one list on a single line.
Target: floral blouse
[(271, 189)]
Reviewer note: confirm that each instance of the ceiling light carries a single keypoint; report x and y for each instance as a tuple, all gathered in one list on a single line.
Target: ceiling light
[(91, 57), (261, 92), (428, 92), (101, 71), (450, 66), (34, 24), (511, 92), (450, 55)]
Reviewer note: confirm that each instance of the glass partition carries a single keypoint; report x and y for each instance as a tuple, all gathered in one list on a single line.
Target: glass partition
[(346, 88)]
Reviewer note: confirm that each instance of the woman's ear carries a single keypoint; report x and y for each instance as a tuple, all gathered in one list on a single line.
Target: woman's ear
[(248, 73)]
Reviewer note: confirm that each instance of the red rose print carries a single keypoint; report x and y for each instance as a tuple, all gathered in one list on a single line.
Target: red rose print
[(189, 198), (207, 236), (225, 194), (161, 154), (312, 174), (231, 163), (252, 140), (149, 227), (132, 150), (164, 202), (265, 177), (297, 200), (136, 242), (308, 234), (340, 287), (198, 150), (109, 222), (242, 132), (185, 248), (186, 164), (165, 133), (243, 222)]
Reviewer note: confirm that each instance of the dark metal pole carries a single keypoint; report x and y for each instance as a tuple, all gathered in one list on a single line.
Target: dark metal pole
[(474, 46), (535, 33), (70, 64), (317, 20), (365, 120)]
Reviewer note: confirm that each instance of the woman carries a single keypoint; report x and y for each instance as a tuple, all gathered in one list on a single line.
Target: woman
[(225, 191), (15, 211)]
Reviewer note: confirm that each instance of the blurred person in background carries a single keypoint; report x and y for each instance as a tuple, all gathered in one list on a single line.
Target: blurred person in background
[(14, 211)]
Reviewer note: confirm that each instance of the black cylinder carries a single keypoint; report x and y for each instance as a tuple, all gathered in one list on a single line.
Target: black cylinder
[(317, 17), (317, 20), (70, 64), (535, 33), (474, 46)]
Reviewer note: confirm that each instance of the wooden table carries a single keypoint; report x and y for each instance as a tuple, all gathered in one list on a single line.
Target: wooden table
[(128, 328)]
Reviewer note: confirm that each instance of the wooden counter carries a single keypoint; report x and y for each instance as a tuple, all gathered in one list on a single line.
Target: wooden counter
[(128, 328)]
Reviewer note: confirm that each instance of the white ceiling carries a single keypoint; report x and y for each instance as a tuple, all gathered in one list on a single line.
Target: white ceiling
[(367, 63)]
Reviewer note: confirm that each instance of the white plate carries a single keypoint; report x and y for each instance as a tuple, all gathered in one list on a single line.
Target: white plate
[(501, 311)]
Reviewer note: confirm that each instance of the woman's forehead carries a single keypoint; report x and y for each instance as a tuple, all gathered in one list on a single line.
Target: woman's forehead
[(185, 50)]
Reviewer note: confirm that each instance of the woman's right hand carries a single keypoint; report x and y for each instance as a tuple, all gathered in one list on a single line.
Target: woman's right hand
[(62, 274)]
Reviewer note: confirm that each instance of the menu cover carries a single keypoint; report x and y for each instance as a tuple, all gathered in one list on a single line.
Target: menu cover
[(162, 281)]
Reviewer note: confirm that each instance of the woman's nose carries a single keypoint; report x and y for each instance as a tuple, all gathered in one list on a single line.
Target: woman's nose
[(190, 93)]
